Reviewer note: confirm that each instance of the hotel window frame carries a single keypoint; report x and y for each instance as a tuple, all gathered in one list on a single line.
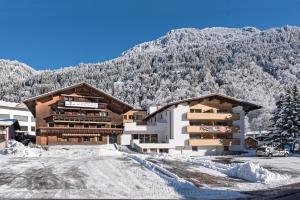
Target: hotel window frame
[(21, 118), (4, 116), (24, 128)]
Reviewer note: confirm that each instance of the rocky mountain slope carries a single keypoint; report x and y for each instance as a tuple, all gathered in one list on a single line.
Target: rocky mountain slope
[(246, 63)]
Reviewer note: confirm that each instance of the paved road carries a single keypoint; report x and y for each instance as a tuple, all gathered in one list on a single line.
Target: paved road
[(287, 192)]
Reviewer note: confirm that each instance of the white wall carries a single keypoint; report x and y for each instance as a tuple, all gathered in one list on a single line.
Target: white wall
[(179, 123), (27, 113), (241, 134)]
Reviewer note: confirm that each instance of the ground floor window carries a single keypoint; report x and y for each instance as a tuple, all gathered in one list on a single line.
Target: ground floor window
[(226, 148), (146, 138), (163, 150), (194, 148), (112, 139)]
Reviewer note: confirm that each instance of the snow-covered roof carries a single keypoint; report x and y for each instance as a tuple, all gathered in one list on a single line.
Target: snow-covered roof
[(32, 99), (13, 105), (246, 105), (10, 122)]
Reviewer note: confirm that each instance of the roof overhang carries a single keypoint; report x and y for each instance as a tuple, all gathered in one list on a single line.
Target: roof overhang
[(247, 106), (30, 102)]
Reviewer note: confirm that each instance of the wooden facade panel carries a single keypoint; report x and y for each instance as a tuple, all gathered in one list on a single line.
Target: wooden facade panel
[(80, 116)]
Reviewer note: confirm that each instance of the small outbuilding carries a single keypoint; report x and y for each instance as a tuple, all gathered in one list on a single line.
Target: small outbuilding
[(8, 128), (250, 142)]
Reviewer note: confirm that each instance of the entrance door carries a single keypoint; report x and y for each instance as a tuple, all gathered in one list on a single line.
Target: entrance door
[(112, 139)]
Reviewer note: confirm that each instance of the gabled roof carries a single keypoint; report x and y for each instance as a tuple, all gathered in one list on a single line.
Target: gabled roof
[(13, 105), (246, 105), (10, 122), (32, 99)]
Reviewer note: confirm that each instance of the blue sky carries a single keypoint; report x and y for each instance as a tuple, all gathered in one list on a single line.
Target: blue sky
[(56, 33)]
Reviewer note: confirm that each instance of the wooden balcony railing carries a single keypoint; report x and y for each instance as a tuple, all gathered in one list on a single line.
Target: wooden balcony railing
[(212, 129), (69, 130), (214, 142), (213, 116), (77, 118)]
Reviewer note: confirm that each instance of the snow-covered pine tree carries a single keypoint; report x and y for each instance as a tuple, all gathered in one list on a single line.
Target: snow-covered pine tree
[(285, 120), (296, 111)]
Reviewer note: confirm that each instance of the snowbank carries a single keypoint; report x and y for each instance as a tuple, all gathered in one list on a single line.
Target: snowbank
[(154, 167), (248, 171), (81, 151), (19, 150)]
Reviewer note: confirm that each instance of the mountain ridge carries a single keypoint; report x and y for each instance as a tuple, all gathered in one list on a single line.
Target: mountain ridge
[(246, 63)]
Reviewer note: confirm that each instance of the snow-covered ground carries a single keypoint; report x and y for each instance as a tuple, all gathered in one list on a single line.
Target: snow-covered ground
[(104, 172), (88, 172), (254, 172)]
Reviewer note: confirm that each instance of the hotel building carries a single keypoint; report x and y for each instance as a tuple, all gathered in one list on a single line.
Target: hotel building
[(18, 111), (79, 114), (207, 125)]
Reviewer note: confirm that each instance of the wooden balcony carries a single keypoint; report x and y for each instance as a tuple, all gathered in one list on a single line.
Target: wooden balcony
[(77, 118), (62, 103), (83, 131), (212, 129), (213, 116), (214, 142)]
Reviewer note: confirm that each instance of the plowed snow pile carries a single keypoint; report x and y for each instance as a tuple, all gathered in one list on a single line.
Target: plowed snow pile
[(19, 150), (248, 171)]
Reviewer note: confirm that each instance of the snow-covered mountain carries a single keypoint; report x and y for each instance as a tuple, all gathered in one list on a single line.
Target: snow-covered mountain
[(246, 63)]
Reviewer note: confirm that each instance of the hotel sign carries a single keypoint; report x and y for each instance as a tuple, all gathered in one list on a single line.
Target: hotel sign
[(81, 104)]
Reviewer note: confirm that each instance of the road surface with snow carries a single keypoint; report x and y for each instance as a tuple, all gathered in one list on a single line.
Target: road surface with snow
[(104, 172), (88, 172)]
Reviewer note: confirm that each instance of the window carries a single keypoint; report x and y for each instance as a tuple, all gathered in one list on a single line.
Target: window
[(51, 125), (221, 124), (21, 118), (85, 125), (24, 128), (226, 148), (135, 136), (103, 114), (196, 110), (130, 116), (138, 117), (32, 128), (86, 139), (222, 111), (69, 98), (4, 116), (71, 125), (160, 116), (194, 148), (124, 116), (32, 119)]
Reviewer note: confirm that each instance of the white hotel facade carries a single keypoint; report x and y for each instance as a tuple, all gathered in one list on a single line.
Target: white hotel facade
[(18, 111), (207, 125)]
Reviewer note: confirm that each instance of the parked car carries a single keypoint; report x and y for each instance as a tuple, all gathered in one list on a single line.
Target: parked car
[(271, 151)]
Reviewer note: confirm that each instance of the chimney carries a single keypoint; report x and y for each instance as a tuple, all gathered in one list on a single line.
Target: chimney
[(152, 109)]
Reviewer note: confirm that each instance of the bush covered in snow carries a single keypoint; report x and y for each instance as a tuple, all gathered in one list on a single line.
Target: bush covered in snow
[(19, 150)]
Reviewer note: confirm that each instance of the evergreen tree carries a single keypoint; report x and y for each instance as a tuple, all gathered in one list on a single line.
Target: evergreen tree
[(296, 111), (285, 119)]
